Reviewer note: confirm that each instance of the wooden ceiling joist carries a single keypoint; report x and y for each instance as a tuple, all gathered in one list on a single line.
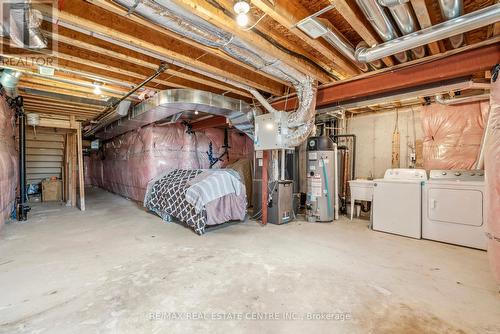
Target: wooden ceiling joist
[(124, 55), (424, 21), (358, 25), (288, 14), (112, 7), (125, 33), (217, 17)]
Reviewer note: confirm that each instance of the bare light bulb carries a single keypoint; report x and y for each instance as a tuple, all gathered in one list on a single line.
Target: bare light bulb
[(242, 20), (241, 7), (97, 90)]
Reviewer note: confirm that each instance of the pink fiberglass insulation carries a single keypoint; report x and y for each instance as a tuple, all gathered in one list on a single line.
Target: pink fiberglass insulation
[(8, 161), (452, 135), (128, 162), (492, 174)]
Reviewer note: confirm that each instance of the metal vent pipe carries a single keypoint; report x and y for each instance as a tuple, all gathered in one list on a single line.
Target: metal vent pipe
[(381, 23), (9, 80), (405, 21), (451, 9), (459, 25)]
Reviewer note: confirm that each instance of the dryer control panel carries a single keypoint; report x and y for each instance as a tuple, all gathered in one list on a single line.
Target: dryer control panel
[(457, 174)]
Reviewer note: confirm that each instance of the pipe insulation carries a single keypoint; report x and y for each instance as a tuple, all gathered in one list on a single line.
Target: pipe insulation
[(459, 25), (170, 15)]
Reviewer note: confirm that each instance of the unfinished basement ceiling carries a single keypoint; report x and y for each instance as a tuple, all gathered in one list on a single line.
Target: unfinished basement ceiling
[(88, 48)]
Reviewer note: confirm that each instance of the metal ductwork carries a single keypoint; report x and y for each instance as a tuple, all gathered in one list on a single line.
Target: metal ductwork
[(22, 24), (382, 25), (314, 28), (405, 21), (459, 25), (9, 80), (172, 102), (451, 9), (392, 3), (461, 100), (173, 17)]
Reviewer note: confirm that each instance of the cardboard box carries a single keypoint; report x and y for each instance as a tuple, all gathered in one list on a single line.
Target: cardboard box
[(51, 190)]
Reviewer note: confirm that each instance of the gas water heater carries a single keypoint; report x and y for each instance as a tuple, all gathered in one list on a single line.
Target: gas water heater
[(322, 180)]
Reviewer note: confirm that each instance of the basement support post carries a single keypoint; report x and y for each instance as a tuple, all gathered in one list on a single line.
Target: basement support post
[(265, 162), (23, 208), (81, 185)]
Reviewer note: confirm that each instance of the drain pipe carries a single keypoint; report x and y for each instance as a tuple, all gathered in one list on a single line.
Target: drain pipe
[(451, 9), (459, 25)]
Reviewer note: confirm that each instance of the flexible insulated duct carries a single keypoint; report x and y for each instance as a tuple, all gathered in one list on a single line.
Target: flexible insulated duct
[(451, 9), (459, 25), (21, 23), (173, 17)]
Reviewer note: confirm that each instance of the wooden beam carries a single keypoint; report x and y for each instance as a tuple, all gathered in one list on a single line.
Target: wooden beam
[(81, 14), (77, 88), (288, 14), (56, 123), (427, 71), (61, 101), (350, 16), (68, 92), (212, 122), (217, 17), (424, 20)]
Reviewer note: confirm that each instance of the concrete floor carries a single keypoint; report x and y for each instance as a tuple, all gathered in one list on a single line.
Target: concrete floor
[(118, 269)]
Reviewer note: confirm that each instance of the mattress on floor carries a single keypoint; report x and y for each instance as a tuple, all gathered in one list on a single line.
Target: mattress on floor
[(197, 197)]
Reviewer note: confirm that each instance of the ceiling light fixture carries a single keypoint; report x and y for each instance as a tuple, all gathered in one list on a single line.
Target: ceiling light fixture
[(241, 8), (97, 88)]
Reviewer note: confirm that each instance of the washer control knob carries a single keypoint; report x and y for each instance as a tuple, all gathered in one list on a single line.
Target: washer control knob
[(472, 174), (443, 173), (458, 173)]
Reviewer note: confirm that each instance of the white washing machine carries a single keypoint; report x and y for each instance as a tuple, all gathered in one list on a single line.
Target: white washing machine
[(453, 208), (397, 202)]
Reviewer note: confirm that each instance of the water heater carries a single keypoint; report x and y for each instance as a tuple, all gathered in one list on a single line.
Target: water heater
[(322, 181)]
